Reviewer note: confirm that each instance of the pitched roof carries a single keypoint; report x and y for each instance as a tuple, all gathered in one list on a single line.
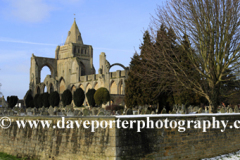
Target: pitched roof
[(74, 35)]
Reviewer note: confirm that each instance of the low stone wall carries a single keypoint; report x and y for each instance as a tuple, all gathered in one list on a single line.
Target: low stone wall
[(113, 143)]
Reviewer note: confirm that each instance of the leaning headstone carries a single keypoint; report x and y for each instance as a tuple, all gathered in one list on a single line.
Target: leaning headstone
[(70, 113), (69, 108), (190, 109), (199, 110), (80, 113), (51, 111), (86, 112), (163, 111), (107, 113), (76, 112), (129, 111), (21, 112), (195, 109), (174, 111), (228, 107), (236, 110), (94, 111), (135, 112), (120, 112), (222, 110)]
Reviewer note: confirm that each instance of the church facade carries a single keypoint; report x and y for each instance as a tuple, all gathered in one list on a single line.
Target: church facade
[(73, 67)]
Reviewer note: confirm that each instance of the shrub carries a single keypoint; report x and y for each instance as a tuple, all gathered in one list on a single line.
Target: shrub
[(54, 98), (40, 100), (29, 101), (12, 101), (101, 96), (46, 99), (67, 97), (78, 97), (90, 97), (35, 101), (28, 98)]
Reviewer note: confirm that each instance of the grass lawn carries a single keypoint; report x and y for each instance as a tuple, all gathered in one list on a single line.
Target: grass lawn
[(4, 156)]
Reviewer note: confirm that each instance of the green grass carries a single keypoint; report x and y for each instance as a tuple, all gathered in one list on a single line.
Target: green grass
[(4, 156)]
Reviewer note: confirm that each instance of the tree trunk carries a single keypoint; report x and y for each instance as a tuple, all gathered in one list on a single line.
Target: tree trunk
[(213, 104)]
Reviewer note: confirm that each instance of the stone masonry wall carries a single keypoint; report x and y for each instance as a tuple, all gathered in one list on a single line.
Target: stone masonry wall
[(58, 144), (121, 144)]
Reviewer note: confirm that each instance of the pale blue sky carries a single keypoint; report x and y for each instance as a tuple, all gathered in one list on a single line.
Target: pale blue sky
[(38, 26)]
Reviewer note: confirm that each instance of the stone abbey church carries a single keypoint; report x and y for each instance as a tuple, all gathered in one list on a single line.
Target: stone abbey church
[(73, 67)]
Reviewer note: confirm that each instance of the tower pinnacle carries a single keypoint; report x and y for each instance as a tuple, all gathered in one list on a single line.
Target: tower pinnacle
[(74, 35)]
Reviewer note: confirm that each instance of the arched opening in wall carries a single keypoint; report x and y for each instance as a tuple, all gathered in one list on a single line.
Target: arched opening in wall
[(51, 88), (120, 87), (62, 86), (44, 72), (44, 89), (81, 86), (73, 89), (115, 67), (83, 69), (96, 86), (113, 88), (89, 86)]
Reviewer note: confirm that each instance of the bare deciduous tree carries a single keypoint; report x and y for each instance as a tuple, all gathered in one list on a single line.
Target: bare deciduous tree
[(212, 27)]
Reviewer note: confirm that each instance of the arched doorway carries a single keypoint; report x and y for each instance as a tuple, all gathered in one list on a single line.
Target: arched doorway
[(113, 88), (62, 86), (45, 70)]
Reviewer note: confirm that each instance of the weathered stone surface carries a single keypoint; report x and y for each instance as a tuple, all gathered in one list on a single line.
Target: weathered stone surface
[(113, 143), (73, 67)]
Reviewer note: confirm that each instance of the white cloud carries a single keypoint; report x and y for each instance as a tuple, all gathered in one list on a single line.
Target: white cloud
[(30, 10), (26, 42)]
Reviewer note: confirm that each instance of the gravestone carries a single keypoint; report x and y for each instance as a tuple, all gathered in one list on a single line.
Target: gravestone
[(236, 110), (129, 111), (164, 111), (222, 110), (51, 111), (70, 113), (86, 112), (76, 112)]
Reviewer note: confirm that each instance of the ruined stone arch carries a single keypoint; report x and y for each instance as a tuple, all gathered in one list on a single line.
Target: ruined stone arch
[(117, 64), (51, 88), (62, 85), (120, 87), (81, 86), (51, 68), (38, 91), (42, 87), (88, 86), (73, 89), (96, 86), (113, 87)]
